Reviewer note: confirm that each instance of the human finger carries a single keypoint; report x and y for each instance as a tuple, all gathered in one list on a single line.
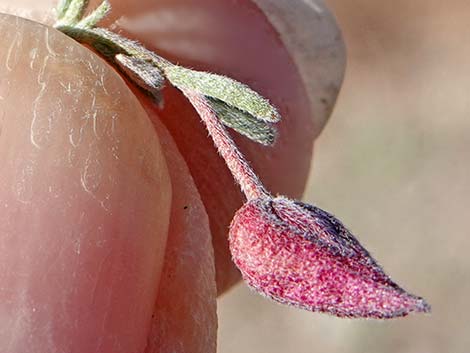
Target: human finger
[(85, 199)]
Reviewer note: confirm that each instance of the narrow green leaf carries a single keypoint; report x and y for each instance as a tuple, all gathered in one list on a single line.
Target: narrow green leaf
[(143, 74), (96, 16), (243, 122), (231, 92), (62, 8), (74, 10)]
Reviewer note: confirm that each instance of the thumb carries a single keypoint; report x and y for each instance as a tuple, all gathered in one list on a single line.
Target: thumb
[(85, 200)]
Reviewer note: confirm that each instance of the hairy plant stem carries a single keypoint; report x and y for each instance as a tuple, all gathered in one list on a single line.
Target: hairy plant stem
[(249, 182)]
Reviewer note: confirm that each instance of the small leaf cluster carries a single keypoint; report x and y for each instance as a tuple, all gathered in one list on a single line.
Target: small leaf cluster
[(236, 105)]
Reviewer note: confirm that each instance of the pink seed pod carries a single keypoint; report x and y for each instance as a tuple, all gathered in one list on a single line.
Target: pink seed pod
[(300, 255)]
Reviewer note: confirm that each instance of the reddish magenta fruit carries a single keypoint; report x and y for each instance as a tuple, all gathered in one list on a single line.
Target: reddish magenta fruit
[(300, 255)]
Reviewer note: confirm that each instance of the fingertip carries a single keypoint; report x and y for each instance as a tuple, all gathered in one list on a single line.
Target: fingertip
[(85, 196)]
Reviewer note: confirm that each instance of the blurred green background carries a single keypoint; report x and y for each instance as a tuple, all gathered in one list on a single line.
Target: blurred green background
[(394, 164)]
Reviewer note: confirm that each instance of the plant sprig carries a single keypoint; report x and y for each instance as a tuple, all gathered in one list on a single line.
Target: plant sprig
[(305, 257), (238, 106)]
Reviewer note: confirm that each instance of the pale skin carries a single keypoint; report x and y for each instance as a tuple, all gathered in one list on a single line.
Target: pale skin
[(64, 167)]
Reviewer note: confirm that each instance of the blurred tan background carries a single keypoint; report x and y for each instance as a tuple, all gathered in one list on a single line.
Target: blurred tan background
[(394, 165)]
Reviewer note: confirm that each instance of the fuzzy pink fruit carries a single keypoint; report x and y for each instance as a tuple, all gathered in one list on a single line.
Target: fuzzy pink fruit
[(300, 255)]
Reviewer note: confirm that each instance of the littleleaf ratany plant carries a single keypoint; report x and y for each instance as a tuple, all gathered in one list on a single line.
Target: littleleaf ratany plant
[(291, 252)]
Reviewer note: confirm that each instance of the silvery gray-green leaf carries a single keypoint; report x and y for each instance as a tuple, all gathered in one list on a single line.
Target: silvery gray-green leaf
[(244, 123), (71, 11), (232, 92), (96, 16), (142, 73), (61, 8)]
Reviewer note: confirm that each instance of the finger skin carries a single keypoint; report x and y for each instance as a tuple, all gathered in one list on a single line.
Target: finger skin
[(185, 318), (85, 200)]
